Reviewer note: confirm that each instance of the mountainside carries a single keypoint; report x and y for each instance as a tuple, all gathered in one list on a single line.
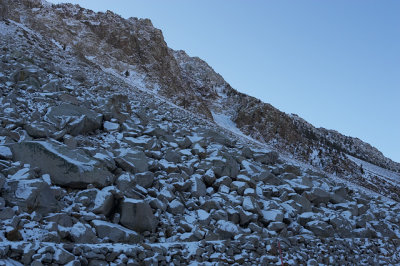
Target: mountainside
[(134, 45), (116, 150)]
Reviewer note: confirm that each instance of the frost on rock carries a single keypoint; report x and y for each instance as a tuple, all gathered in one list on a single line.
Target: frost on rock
[(75, 169), (119, 150), (5, 153)]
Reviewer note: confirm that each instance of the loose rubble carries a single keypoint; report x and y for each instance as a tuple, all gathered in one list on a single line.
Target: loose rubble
[(143, 182)]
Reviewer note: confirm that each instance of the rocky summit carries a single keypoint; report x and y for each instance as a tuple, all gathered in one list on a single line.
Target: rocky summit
[(117, 150)]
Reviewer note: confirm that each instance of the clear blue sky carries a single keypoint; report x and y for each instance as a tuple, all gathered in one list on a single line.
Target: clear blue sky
[(334, 63)]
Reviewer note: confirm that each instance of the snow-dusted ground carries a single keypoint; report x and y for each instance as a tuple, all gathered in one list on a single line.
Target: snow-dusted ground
[(226, 127), (376, 170)]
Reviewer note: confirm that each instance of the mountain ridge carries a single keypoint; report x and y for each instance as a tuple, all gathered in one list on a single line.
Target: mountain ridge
[(189, 88), (102, 163)]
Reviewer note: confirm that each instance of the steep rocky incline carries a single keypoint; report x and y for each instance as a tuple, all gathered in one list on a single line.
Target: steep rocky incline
[(134, 48), (97, 169)]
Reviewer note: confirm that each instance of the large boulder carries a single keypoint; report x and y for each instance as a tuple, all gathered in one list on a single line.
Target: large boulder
[(137, 215), (67, 168), (341, 225), (224, 165), (76, 119), (104, 201), (82, 233), (144, 179), (115, 233), (317, 196), (320, 228), (270, 157), (134, 161), (37, 130), (32, 195), (226, 229), (269, 216)]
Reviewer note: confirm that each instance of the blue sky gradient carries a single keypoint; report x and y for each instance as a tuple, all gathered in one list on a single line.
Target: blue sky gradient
[(334, 63)]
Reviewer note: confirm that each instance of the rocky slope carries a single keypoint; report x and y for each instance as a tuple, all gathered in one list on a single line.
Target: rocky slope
[(97, 169), (136, 48)]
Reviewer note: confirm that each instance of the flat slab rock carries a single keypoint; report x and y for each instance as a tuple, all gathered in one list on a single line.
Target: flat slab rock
[(67, 168)]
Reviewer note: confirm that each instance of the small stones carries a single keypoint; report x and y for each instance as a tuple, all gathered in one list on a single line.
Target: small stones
[(152, 185)]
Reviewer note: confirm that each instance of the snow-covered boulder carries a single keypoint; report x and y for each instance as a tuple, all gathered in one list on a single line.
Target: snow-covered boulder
[(271, 216), (320, 228), (82, 233), (176, 207), (198, 187), (110, 126), (76, 119), (226, 229), (38, 130), (5, 153), (104, 201), (67, 168), (115, 233), (31, 195)]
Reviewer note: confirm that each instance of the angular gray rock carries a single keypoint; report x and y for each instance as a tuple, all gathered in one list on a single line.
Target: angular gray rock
[(5, 153), (267, 158), (104, 201), (198, 187), (82, 233), (110, 126), (303, 202), (317, 196), (144, 179), (306, 217), (173, 156), (67, 168), (270, 216), (226, 229), (176, 207), (226, 165), (276, 226), (76, 119), (115, 233), (62, 257), (209, 177), (134, 161), (320, 228), (37, 130), (32, 195), (269, 178), (137, 215)]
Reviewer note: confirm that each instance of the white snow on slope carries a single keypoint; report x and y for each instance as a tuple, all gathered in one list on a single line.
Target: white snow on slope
[(225, 122), (376, 170)]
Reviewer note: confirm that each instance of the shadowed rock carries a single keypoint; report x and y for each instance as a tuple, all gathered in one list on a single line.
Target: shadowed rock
[(67, 168)]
